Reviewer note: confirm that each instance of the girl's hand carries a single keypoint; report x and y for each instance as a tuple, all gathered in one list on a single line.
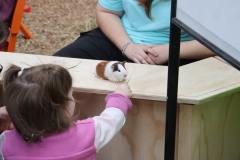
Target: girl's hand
[(124, 89), (5, 122), (162, 52), (140, 53)]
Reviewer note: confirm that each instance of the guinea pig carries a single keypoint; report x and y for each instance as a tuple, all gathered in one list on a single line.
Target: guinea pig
[(111, 70)]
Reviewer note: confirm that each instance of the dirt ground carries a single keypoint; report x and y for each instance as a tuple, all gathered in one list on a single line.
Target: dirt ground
[(55, 23)]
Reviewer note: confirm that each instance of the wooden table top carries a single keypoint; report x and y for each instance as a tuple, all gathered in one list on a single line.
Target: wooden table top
[(199, 82)]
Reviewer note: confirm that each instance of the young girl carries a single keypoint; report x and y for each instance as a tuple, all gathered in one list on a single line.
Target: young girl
[(40, 104)]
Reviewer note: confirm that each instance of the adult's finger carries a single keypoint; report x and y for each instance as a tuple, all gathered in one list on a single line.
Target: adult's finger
[(136, 60), (152, 52), (142, 60), (150, 61), (145, 59)]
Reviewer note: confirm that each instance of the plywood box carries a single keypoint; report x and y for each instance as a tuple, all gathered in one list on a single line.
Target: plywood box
[(208, 107)]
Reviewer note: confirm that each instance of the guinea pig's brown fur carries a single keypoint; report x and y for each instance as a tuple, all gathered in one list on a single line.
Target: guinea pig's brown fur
[(100, 68)]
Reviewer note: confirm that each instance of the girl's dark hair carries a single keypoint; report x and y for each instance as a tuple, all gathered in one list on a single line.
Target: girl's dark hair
[(146, 4), (37, 99)]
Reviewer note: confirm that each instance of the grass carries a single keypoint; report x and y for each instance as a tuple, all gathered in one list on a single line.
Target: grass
[(55, 24)]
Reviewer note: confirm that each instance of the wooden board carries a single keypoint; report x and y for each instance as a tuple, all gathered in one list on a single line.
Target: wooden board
[(199, 82), (210, 131)]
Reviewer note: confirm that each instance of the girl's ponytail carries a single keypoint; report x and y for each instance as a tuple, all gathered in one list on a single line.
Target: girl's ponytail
[(10, 75)]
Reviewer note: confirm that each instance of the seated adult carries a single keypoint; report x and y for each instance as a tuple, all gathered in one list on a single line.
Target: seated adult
[(135, 31)]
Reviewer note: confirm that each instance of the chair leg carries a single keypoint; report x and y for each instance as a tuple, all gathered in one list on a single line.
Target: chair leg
[(12, 43), (25, 31)]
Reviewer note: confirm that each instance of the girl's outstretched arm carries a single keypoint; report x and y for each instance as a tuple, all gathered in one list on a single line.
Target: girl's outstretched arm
[(112, 119)]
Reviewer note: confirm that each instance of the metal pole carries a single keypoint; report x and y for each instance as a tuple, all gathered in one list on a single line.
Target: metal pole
[(172, 87)]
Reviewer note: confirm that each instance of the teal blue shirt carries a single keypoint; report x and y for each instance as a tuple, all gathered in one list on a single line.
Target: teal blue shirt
[(138, 26)]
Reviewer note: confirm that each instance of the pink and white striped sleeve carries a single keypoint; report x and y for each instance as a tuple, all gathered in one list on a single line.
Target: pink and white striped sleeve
[(111, 120)]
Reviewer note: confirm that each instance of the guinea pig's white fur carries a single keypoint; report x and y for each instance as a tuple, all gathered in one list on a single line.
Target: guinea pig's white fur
[(116, 75)]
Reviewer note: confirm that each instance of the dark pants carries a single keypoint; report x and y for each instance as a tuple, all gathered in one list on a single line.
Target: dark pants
[(92, 45), (95, 45)]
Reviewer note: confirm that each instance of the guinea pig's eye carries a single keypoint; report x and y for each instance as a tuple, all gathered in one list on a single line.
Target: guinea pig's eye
[(118, 70)]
